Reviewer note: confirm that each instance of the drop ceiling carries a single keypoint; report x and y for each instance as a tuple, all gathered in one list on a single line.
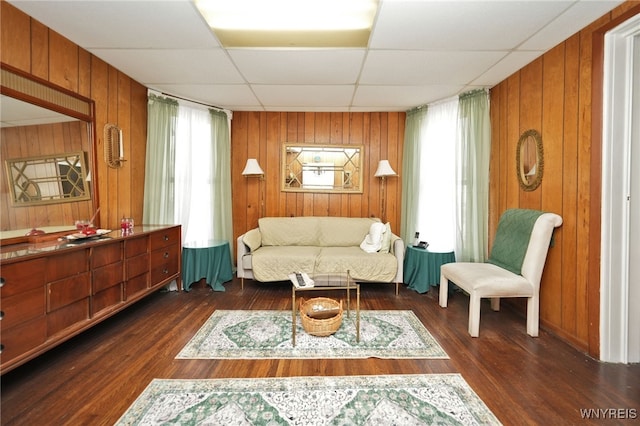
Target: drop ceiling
[(419, 52)]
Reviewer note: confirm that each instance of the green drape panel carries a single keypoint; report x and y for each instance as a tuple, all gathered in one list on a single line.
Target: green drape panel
[(159, 178), (472, 177), (222, 214), (411, 172)]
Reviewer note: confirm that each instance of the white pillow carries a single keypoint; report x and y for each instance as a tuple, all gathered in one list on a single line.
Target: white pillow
[(373, 240), (386, 239)]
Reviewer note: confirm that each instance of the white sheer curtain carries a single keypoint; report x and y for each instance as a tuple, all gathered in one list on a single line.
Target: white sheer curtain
[(437, 191), (193, 174)]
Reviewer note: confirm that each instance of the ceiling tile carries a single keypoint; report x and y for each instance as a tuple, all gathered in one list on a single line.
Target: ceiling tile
[(416, 67), (173, 65), (299, 66)]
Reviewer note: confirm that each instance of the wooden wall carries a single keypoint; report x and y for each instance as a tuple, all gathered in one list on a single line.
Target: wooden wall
[(261, 135), (553, 95), (30, 46)]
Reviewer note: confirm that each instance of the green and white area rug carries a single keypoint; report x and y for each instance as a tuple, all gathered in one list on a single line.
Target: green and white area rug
[(267, 334), (442, 399)]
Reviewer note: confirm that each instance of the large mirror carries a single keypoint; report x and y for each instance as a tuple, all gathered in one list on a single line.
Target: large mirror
[(47, 153), (529, 160), (322, 168)]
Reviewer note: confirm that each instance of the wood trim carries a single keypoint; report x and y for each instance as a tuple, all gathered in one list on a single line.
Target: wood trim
[(597, 72)]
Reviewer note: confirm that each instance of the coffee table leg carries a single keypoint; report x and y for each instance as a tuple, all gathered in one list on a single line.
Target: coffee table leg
[(358, 313), (293, 316)]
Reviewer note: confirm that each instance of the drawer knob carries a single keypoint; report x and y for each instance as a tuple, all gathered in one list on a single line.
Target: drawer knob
[(166, 238), (1, 315), (165, 271), (166, 255), (1, 281), (1, 348)]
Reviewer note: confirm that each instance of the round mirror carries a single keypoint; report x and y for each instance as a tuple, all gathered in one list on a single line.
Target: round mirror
[(529, 160)]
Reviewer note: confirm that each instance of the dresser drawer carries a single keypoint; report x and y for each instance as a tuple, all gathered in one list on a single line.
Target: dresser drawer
[(64, 292), (106, 254), (164, 238), (65, 265), (23, 338), (107, 276), (137, 266), (16, 278), (21, 308), (136, 246), (164, 256)]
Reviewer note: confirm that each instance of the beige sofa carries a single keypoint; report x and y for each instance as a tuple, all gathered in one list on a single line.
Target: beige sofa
[(317, 245)]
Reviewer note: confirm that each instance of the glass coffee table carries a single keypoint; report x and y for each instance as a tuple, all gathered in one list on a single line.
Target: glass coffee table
[(328, 282)]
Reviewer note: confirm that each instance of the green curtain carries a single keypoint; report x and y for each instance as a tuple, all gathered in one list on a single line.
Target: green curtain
[(411, 173), (222, 214), (159, 178), (472, 177)]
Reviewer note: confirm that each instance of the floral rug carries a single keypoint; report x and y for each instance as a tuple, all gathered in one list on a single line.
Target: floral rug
[(267, 334), (443, 399)]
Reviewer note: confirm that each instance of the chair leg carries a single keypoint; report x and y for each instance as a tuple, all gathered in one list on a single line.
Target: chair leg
[(495, 303), (533, 315), (474, 314), (444, 290)]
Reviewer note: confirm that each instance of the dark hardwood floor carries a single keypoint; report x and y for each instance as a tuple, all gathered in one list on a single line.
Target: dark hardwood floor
[(93, 378)]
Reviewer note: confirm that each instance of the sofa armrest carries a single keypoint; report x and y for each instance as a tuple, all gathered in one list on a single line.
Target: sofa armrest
[(397, 249)]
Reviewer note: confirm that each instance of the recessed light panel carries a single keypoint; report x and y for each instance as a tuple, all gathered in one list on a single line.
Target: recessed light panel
[(290, 23)]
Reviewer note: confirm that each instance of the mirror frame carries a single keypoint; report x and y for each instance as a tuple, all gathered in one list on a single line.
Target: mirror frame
[(536, 180), (28, 88), (67, 187), (286, 171)]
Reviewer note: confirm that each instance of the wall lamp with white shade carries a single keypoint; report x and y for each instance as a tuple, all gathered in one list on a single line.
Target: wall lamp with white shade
[(253, 169), (384, 170)]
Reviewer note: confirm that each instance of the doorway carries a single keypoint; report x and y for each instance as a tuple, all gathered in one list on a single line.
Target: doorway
[(620, 249)]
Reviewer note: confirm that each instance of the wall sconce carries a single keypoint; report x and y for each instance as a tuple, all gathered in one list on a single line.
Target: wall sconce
[(253, 169), (384, 170), (113, 146)]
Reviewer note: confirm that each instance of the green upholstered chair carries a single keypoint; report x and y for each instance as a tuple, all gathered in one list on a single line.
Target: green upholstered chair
[(514, 268)]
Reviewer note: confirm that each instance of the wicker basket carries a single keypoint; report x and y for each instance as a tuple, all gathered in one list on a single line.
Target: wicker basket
[(320, 316)]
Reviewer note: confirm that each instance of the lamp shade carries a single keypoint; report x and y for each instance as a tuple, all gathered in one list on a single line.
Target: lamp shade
[(384, 169), (252, 168)]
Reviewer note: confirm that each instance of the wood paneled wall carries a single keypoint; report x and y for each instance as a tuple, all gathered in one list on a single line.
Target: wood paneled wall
[(553, 95), (30, 46), (261, 135)]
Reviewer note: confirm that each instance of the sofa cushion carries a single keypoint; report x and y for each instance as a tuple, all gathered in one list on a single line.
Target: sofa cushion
[(275, 263), (343, 231), (252, 239), (289, 231), (361, 265)]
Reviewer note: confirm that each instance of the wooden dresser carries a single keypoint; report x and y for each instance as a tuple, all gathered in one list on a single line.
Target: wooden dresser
[(51, 291)]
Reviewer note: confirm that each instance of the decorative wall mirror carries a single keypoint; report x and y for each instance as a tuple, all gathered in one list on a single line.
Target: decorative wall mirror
[(48, 179), (322, 168), (44, 127), (529, 160)]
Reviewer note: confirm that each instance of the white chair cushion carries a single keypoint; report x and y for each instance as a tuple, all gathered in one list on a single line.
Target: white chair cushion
[(487, 280)]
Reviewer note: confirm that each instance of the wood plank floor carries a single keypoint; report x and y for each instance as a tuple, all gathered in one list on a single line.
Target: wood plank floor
[(93, 378)]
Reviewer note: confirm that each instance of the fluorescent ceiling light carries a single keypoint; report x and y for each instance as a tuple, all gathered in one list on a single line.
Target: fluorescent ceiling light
[(284, 23)]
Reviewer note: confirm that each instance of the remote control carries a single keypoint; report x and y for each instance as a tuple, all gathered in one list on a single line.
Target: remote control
[(300, 279)]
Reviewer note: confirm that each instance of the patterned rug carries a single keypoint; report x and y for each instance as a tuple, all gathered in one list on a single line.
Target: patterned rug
[(267, 334), (443, 399)]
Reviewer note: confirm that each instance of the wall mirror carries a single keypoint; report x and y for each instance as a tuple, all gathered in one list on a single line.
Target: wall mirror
[(48, 179), (48, 154), (322, 168), (529, 160)]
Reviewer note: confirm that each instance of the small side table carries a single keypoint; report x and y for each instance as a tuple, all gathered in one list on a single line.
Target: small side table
[(422, 267), (210, 259)]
